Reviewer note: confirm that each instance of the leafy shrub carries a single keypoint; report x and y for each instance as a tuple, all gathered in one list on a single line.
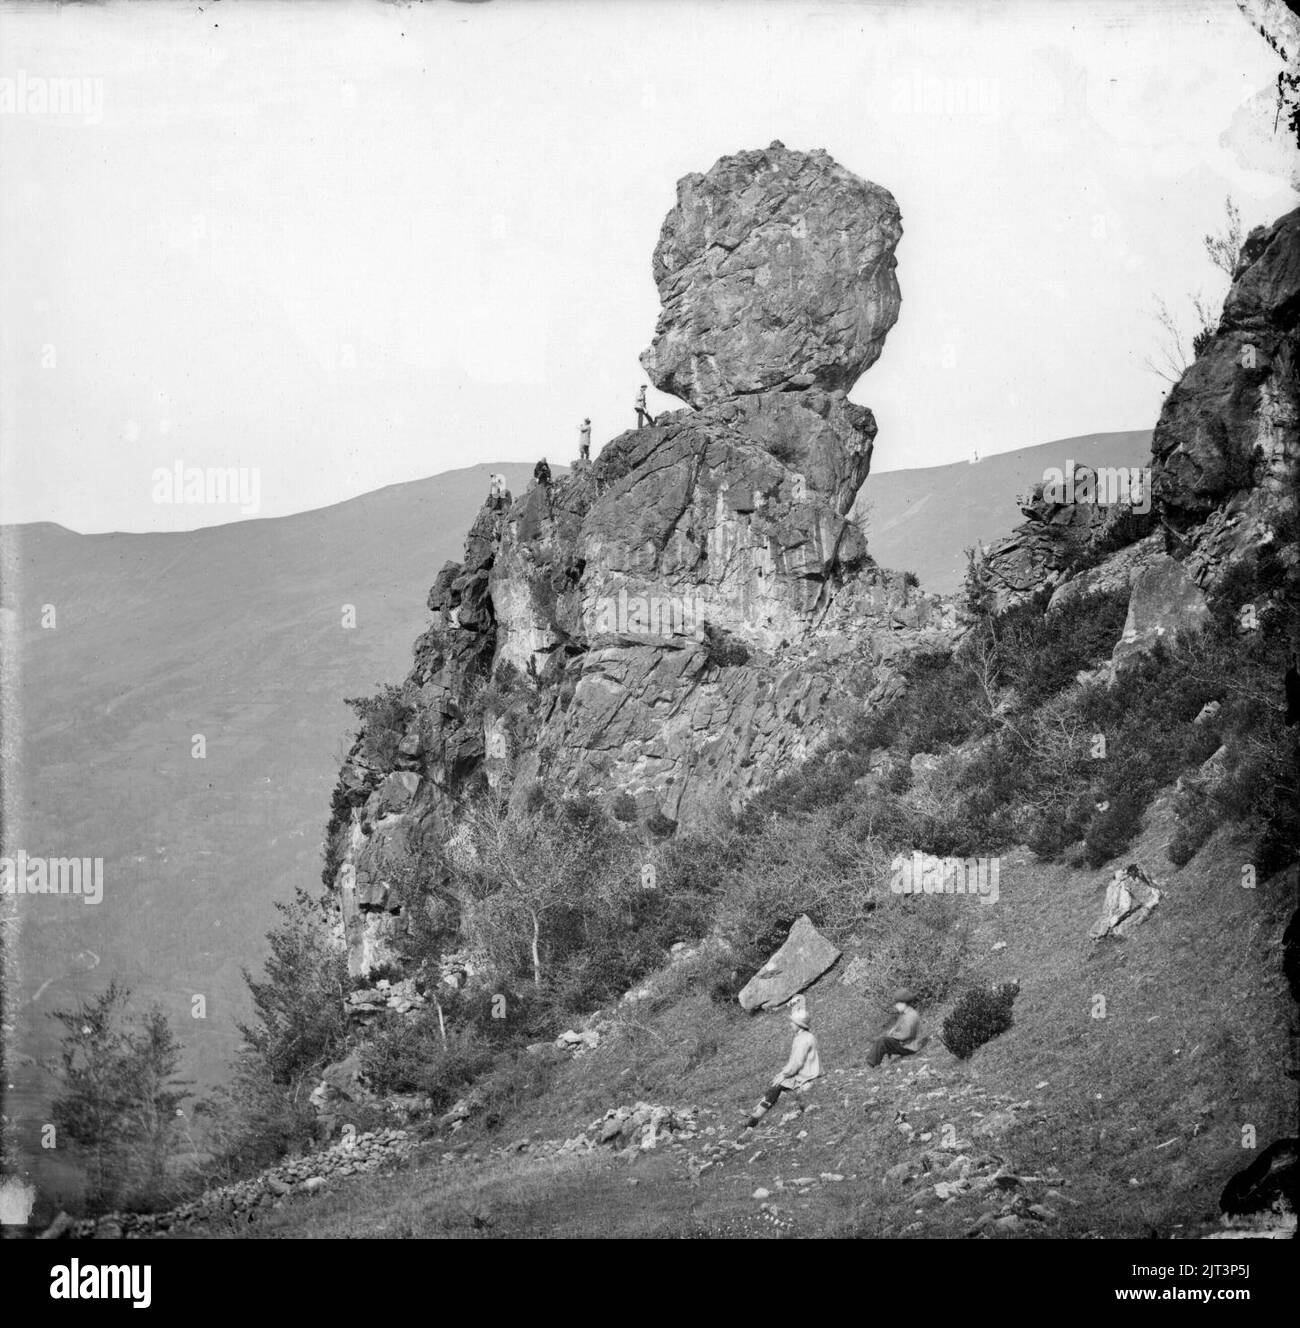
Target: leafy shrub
[(978, 1017), (517, 1079), (1042, 653), (1195, 822), (1113, 830), (300, 1022), (977, 592), (722, 649), (920, 944), (250, 1123), (383, 721), (624, 807), (407, 1055)]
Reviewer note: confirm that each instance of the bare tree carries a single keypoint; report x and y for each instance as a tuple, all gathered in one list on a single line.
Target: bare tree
[(1224, 249), (1171, 358)]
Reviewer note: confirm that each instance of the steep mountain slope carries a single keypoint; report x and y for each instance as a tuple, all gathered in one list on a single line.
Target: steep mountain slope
[(1068, 1124), (234, 632)]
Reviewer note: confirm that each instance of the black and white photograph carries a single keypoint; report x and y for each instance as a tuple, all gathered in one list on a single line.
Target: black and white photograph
[(649, 620)]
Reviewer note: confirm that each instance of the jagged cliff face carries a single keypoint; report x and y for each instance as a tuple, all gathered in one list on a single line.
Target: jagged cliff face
[(1224, 478), (681, 620), (1226, 451)]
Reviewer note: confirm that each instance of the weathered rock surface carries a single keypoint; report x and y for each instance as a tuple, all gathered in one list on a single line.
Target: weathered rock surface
[(1041, 552), (688, 616), (1226, 450), (1117, 571), (1130, 898), (1230, 422), (804, 957), (776, 270), (1225, 466), (1163, 603)]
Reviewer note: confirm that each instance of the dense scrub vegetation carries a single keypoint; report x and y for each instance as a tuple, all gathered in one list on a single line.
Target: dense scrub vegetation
[(978, 1017)]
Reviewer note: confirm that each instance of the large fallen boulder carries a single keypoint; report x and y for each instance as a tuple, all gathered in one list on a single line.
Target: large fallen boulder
[(1130, 898), (804, 957)]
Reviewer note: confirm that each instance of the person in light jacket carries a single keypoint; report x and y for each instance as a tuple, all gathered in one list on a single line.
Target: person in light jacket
[(799, 1071), (903, 1037)]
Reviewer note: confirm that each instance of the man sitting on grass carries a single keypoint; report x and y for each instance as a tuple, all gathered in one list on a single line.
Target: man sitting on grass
[(799, 1071), (904, 1036)]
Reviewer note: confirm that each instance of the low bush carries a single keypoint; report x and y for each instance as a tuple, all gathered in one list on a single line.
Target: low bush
[(722, 649), (383, 719), (978, 1017)]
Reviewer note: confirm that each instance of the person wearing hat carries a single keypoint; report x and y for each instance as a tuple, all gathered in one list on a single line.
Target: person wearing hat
[(903, 1038), (644, 419), (799, 1071)]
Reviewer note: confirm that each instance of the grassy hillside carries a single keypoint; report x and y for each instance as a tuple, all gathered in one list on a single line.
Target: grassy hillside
[(1117, 1126), (1138, 1073)]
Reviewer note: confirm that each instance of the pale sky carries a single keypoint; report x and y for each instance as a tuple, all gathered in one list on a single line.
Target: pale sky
[(352, 244)]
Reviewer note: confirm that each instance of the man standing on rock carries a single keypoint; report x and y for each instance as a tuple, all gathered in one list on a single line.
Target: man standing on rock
[(904, 1035), (799, 1071), (644, 420), (584, 441)]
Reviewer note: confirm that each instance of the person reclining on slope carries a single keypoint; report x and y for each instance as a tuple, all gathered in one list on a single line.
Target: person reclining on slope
[(904, 1035), (799, 1071)]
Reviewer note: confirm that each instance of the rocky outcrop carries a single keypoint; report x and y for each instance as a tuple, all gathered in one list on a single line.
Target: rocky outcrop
[(776, 270), (1226, 451), (1056, 539), (1225, 467), (1164, 602), (688, 616), (1117, 572), (1230, 422)]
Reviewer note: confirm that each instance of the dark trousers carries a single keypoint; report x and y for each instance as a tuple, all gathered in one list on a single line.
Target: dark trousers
[(767, 1102), (886, 1046), (644, 420)]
